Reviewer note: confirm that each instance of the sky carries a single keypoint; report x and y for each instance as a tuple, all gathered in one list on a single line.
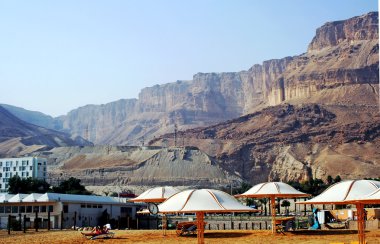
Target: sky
[(56, 56)]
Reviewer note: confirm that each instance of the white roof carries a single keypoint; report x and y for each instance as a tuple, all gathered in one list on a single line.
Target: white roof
[(203, 200), (267, 189), (54, 197), (345, 191), (157, 194), (17, 198), (5, 197), (32, 197), (373, 198)]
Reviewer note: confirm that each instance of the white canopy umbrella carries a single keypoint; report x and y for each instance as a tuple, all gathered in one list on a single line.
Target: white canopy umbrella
[(272, 190), (200, 202), (358, 192), (344, 191), (156, 195)]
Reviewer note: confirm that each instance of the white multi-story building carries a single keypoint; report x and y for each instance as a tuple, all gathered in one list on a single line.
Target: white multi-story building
[(25, 167)]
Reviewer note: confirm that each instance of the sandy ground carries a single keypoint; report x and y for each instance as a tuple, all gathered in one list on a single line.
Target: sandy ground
[(220, 237)]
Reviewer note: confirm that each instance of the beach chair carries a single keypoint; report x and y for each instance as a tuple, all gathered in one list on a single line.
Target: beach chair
[(105, 234), (108, 235), (187, 228)]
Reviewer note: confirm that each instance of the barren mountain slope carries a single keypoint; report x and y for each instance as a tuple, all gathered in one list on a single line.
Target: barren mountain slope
[(294, 142), (18, 137), (136, 168)]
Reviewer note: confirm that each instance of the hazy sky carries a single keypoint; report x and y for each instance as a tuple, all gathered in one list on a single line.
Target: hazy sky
[(56, 56)]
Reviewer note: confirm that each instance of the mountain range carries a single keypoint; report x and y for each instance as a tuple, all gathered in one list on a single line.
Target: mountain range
[(293, 118)]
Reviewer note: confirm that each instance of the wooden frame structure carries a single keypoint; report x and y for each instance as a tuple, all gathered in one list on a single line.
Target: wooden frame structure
[(259, 191)]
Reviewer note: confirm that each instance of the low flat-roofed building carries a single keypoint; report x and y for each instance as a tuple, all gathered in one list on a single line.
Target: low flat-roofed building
[(64, 210)]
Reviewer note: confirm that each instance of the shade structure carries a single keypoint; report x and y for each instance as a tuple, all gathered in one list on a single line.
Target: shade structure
[(200, 202), (372, 198), (272, 190), (358, 192), (344, 191), (156, 195)]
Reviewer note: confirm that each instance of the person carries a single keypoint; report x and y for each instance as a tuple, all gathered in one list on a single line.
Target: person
[(94, 232), (105, 229)]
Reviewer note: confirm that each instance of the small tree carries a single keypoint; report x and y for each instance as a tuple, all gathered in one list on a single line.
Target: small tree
[(27, 185), (71, 186)]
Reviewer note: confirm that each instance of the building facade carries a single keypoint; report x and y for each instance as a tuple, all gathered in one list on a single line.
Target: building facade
[(25, 167), (64, 210)]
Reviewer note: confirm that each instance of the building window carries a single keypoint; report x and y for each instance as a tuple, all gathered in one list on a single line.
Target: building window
[(1, 163), (50, 209), (14, 209), (29, 209), (43, 209), (27, 173), (88, 205), (22, 209), (14, 169), (36, 209), (2, 209), (100, 206), (30, 167), (65, 208), (7, 209), (83, 205)]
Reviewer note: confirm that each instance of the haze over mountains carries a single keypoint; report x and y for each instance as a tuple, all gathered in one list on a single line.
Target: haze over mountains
[(303, 116)]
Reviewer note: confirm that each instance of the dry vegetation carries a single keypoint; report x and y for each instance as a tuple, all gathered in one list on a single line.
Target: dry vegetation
[(220, 237)]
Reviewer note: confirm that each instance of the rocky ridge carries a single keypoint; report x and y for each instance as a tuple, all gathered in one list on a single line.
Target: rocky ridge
[(341, 66), (294, 142), (18, 137)]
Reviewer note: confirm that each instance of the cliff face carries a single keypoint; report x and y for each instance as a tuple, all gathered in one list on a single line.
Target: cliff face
[(294, 142), (343, 56), (341, 67), (360, 28)]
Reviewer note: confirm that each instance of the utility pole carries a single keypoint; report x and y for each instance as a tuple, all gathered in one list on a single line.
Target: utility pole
[(175, 134)]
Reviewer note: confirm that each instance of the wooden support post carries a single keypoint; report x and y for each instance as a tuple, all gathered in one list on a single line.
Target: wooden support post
[(9, 224), (273, 212), (19, 221), (200, 227), (24, 223), (36, 221), (61, 220), (361, 222), (49, 219), (164, 224), (75, 220)]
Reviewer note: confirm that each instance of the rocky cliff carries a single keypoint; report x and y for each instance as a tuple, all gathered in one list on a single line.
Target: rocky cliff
[(294, 142), (341, 66)]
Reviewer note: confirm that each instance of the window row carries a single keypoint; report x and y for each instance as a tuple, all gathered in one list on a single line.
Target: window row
[(83, 205), (26, 209)]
